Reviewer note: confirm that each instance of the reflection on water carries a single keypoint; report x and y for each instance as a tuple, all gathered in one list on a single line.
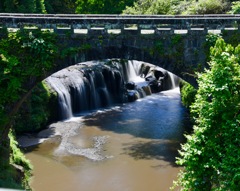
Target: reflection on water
[(155, 117), (127, 147)]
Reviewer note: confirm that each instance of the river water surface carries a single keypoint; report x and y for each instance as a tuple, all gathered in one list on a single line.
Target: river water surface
[(129, 147)]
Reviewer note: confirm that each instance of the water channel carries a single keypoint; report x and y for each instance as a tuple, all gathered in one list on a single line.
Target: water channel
[(126, 147)]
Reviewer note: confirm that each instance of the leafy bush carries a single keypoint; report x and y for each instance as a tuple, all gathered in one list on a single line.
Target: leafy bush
[(173, 7), (101, 6), (18, 158), (19, 6), (235, 8), (10, 159), (211, 40), (207, 7), (211, 154), (151, 7), (36, 111), (25, 57), (188, 93)]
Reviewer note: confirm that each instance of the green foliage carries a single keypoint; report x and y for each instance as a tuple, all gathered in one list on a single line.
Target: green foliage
[(211, 40), (102, 6), (60, 6), (207, 7), (22, 6), (117, 7), (151, 7), (173, 7), (36, 111), (235, 8), (211, 155), (40, 6), (10, 176), (24, 56), (188, 93), (18, 158)]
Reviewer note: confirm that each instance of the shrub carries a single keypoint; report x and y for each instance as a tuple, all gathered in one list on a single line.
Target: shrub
[(188, 93), (15, 168), (18, 158), (211, 154), (235, 8), (36, 111), (152, 7), (173, 7), (207, 7)]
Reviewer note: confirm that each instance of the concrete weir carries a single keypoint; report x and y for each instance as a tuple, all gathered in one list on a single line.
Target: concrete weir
[(175, 43)]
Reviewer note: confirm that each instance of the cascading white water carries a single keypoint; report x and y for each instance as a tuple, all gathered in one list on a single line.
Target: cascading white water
[(79, 89), (94, 85), (134, 74), (64, 98), (174, 80)]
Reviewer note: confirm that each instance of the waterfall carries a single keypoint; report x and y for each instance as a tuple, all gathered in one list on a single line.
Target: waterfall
[(93, 85), (82, 88), (174, 80), (64, 98), (132, 71)]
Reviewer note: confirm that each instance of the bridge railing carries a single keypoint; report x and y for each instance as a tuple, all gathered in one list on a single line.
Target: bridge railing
[(145, 24)]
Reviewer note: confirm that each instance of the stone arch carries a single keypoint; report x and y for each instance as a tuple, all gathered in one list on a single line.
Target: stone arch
[(124, 52)]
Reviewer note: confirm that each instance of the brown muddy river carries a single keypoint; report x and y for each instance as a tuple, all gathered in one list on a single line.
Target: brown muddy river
[(129, 147)]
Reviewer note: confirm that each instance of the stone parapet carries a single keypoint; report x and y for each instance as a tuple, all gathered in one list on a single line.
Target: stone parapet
[(158, 23)]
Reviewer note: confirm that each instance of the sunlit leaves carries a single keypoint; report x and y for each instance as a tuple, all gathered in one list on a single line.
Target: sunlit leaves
[(102, 6), (188, 93), (24, 56), (211, 155)]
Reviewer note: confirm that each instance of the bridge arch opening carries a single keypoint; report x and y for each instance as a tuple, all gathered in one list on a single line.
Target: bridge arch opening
[(96, 84), (126, 52)]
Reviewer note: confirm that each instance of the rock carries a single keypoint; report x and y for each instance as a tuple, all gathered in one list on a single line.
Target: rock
[(155, 86), (150, 78), (132, 95), (158, 74), (144, 70), (130, 86)]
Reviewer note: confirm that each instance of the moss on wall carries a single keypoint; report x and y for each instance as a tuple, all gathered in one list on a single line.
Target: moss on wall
[(15, 169)]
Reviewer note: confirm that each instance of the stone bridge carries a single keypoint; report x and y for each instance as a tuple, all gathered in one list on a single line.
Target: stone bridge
[(175, 43)]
